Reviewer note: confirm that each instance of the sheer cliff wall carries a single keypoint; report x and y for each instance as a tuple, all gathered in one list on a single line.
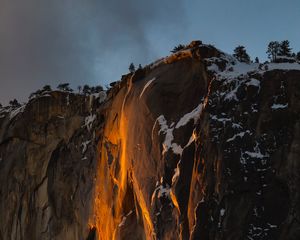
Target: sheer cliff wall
[(194, 146)]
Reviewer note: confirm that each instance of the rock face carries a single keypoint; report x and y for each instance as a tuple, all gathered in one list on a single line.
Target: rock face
[(47, 168), (194, 146)]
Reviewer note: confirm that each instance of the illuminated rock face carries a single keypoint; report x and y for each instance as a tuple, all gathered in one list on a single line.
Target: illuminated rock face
[(194, 146)]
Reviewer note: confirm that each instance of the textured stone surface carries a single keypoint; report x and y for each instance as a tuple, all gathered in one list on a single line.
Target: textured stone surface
[(46, 178)]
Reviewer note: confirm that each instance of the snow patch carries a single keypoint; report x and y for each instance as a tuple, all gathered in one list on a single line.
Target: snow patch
[(160, 191), (146, 86), (257, 153), (272, 225), (85, 146), (193, 115), (279, 106), (241, 135), (213, 68), (168, 131), (253, 82), (240, 68), (222, 212), (223, 120), (236, 126), (15, 112), (283, 66), (89, 120), (101, 96), (163, 191), (235, 69), (177, 149)]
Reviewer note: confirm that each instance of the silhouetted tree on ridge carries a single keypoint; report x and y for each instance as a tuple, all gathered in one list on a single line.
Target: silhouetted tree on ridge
[(241, 54), (298, 56), (178, 48), (65, 87), (131, 68), (14, 103), (273, 50), (285, 49)]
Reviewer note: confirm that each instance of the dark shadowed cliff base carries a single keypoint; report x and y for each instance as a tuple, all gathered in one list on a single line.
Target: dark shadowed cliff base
[(194, 146)]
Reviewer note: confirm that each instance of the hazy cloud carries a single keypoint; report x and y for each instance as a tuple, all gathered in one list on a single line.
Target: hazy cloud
[(47, 42)]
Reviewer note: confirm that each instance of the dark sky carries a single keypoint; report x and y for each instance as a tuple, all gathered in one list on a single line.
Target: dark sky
[(93, 41)]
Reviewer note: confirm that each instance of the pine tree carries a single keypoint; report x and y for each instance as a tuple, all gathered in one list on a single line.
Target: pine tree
[(98, 89), (298, 56), (65, 87), (92, 90), (256, 60), (14, 103), (273, 50), (86, 89), (241, 54), (131, 68), (47, 88), (285, 49), (178, 48)]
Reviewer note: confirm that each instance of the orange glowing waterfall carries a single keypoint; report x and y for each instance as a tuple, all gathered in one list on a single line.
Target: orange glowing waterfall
[(149, 229), (123, 138), (122, 178), (113, 178)]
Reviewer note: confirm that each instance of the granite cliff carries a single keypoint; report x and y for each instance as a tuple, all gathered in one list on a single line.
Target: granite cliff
[(196, 145)]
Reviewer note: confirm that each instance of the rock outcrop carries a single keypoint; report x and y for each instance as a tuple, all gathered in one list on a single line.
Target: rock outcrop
[(194, 146)]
